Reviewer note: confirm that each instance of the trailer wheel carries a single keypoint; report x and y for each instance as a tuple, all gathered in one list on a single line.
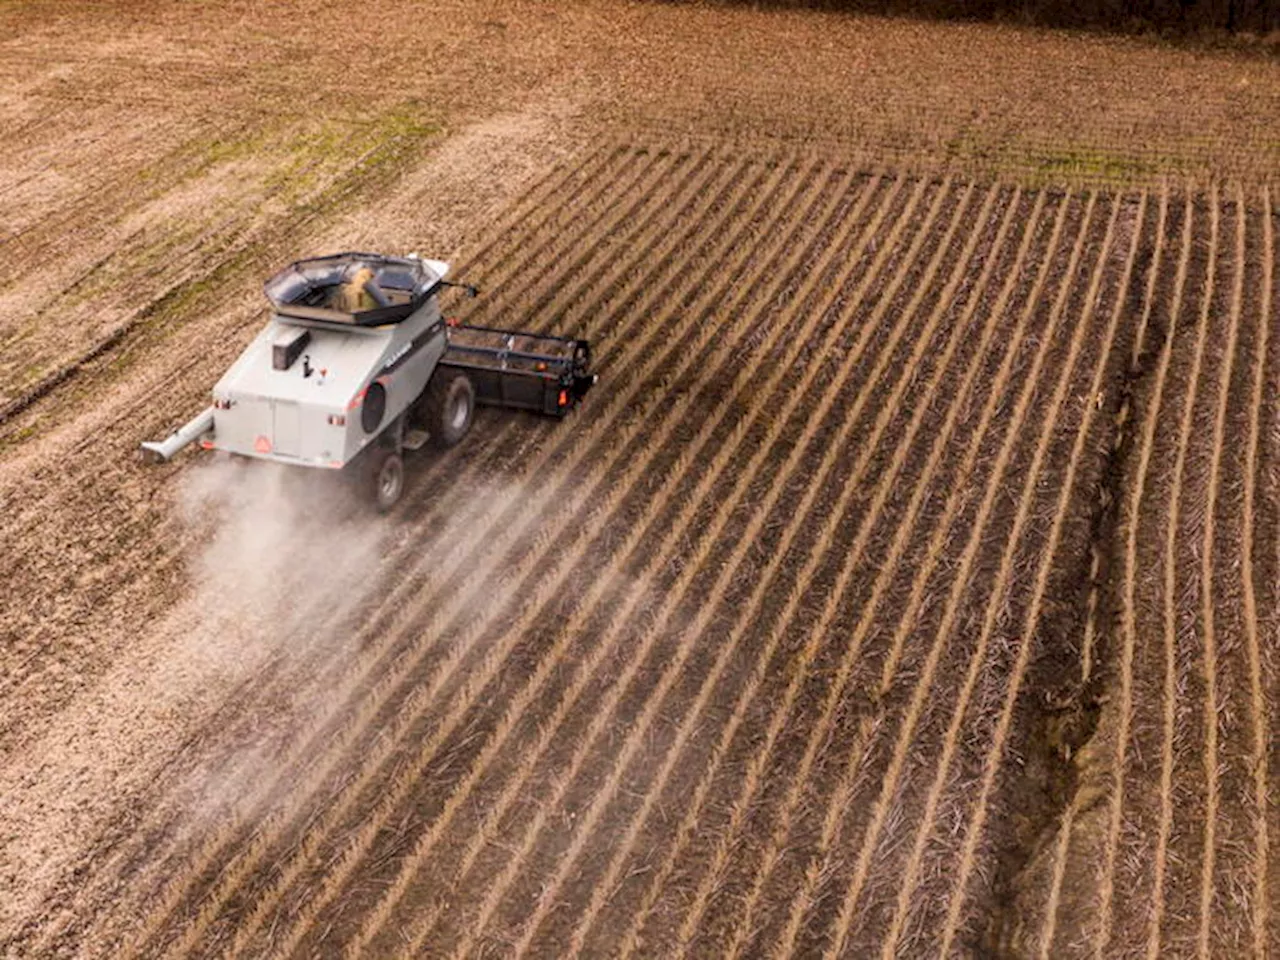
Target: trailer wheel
[(450, 405), (388, 480)]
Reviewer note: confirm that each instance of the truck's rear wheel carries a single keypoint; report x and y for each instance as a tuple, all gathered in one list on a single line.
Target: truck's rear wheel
[(388, 480), (450, 406)]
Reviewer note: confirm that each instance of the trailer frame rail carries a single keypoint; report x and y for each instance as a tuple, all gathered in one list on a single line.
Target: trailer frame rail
[(542, 373)]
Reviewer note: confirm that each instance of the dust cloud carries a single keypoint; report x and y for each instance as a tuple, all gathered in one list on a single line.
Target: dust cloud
[(287, 560), (201, 726), (278, 559), (285, 553)]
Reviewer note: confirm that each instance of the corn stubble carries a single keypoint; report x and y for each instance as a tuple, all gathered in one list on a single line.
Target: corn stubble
[(907, 587)]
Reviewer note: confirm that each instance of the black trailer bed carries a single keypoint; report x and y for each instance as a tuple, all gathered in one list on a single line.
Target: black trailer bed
[(527, 371)]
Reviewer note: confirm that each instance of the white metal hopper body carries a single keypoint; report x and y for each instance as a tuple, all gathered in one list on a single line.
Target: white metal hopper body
[(319, 384)]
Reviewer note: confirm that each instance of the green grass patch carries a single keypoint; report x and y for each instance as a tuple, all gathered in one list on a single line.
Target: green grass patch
[(310, 172), (1092, 164), (1068, 165)]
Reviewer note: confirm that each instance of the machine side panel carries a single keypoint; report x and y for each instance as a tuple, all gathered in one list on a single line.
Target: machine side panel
[(287, 440), (247, 427), (406, 367)]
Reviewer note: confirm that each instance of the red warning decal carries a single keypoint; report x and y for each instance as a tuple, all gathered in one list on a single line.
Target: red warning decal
[(262, 444)]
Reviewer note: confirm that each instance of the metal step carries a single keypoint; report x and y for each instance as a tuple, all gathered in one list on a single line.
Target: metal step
[(414, 438)]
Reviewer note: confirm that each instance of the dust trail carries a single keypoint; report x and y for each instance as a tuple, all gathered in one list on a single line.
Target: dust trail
[(288, 556), (285, 550), (278, 559)]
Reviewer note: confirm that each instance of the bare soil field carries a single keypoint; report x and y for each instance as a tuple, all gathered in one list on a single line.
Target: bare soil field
[(907, 586)]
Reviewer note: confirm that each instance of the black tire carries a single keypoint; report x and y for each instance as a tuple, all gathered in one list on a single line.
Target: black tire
[(386, 479), (449, 406)]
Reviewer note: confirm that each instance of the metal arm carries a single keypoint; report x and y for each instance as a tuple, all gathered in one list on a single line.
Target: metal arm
[(191, 431), (472, 291)]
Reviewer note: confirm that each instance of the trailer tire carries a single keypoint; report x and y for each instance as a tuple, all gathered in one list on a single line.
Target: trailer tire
[(387, 479), (450, 406)]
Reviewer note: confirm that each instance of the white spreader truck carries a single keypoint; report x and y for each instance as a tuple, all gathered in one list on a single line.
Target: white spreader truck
[(357, 365)]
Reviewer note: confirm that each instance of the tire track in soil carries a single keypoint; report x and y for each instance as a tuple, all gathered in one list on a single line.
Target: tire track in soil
[(1045, 939), (392, 612), (959, 895), (893, 941), (1128, 617), (897, 781)]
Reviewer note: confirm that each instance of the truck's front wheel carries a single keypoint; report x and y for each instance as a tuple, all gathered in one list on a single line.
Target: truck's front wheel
[(388, 480), (450, 405)]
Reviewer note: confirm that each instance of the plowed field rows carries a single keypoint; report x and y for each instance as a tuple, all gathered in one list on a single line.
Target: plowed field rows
[(1169, 845), (907, 587)]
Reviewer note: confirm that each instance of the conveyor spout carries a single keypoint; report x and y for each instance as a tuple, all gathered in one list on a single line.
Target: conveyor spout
[(193, 430)]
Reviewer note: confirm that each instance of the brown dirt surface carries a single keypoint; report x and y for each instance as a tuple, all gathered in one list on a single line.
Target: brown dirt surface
[(907, 586)]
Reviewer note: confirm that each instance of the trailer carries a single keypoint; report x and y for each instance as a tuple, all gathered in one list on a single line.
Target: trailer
[(357, 365), (521, 371)]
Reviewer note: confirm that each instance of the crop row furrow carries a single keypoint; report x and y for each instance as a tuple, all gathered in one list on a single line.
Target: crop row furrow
[(453, 595), (828, 544), (894, 782), (547, 727), (1067, 499), (640, 233), (260, 686), (726, 839), (1209, 616), (639, 224), (675, 532), (896, 331), (633, 187), (1172, 630), (1062, 842), (384, 660), (906, 616), (710, 602), (517, 780), (750, 611), (626, 211), (221, 847), (1128, 615), (542, 583), (1259, 715)]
